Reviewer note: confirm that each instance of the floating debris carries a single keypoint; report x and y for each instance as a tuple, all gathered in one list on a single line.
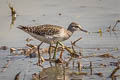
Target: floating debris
[(13, 12), (99, 74), (116, 49), (6, 66), (114, 71), (52, 73), (31, 46), (17, 76), (98, 48), (109, 29), (34, 20), (12, 50), (60, 14), (28, 40), (12, 22), (77, 73), (59, 61), (3, 48), (106, 55), (91, 68), (100, 32), (32, 55), (113, 29), (79, 67), (35, 76), (44, 15), (13, 15), (114, 63), (103, 65), (74, 42)]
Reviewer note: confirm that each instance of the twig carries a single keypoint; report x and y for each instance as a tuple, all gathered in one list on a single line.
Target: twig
[(113, 29), (73, 43), (79, 67), (114, 71), (61, 53), (73, 48), (91, 69), (6, 66), (73, 64), (63, 72), (17, 76), (39, 76), (13, 15), (39, 55), (13, 12)]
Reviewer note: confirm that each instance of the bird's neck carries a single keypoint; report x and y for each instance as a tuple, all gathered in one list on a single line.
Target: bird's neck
[(70, 30), (69, 33)]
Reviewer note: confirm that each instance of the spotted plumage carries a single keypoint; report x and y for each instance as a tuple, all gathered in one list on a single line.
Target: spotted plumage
[(51, 33)]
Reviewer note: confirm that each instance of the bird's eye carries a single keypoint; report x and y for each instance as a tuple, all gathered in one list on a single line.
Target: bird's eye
[(76, 26)]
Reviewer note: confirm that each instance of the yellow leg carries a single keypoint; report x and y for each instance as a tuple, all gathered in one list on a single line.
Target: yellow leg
[(39, 55), (49, 51), (64, 47), (68, 49), (54, 56)]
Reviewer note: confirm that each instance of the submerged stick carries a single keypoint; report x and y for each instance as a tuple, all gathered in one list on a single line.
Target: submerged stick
[(13, 15), (63, 72), (73, 64), (69, 50), (39, 55), (61, 53), (79, 67), (91, 69), (113, 29), (13, 12), (114, 71), (73, 43), (17, 76), (6, 66), (49, 51)]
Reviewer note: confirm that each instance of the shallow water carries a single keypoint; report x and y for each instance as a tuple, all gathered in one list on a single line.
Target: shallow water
[(91, 14)]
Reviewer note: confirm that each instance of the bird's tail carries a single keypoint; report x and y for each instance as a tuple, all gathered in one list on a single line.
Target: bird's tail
[(22, 27), (25, 28)]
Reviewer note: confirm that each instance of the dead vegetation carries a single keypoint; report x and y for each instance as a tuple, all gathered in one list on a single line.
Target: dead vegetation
[(13, 15), (32, 52)]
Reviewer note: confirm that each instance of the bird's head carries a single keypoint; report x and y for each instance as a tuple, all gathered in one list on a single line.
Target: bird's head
[(76, 27)]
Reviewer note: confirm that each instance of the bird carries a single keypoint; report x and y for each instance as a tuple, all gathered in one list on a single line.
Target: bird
[(51, 34)]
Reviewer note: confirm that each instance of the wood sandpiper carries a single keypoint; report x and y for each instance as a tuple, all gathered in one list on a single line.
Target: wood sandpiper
[(51, 34)]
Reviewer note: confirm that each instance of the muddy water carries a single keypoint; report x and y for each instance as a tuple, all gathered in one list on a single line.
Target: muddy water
[(91, 14)]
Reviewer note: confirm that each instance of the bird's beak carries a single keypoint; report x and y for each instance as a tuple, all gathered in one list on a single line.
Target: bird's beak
[(82, 29)]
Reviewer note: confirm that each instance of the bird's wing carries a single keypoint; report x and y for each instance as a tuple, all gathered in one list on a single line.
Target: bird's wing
[(47, 30)]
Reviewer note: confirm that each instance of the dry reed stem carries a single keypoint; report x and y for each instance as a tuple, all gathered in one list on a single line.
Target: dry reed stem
[(113, 29), (13, 12), (17, 76), (63, 71), (61, 53), (73, 64), (77, 73), (79, 67), (114, 71), (74, 42), (91, 68), (6, 66)]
